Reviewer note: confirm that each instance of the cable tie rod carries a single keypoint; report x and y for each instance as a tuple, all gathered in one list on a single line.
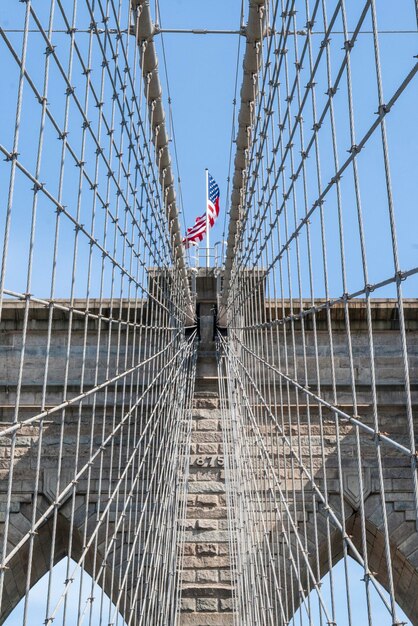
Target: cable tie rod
[(197, 31)]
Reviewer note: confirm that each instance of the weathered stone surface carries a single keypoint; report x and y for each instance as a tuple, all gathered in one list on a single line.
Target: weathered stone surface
[(207, 448), (206, 402), (207, 487), (207, 540), (203, 414), (206, 524), (220, 562), (206, 549), (188, 605), (188, 576), (204, 590), (206, 425), (207, 604), (207, 512), (198, 534), (206, 567), (226, 604), (207, 500), (207, 619), (207, 576), (206, 553)]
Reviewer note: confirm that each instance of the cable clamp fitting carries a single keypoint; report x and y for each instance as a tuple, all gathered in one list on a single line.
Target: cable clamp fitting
[(400, 277), (383, 109), (355, 149), (12, 156), (37, 186)]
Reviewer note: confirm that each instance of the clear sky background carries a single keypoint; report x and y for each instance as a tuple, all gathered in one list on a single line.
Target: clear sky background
[(202, 73)]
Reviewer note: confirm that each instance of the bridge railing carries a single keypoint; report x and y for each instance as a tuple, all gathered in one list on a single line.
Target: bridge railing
[(201, 257)]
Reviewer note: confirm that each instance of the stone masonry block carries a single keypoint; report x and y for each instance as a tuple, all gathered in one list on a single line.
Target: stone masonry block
[(193, 562), (207, 487), (207, 619), (207, 604), (204, 474), (188, 576), (225, 576), (206, 535), (206, 524), (207, 448), (207, 576), (206, 549), (208, 500), (206, 403), (188, 605), (206, 437), (207, 425), (226, 604), (205, 413), (207, 512)]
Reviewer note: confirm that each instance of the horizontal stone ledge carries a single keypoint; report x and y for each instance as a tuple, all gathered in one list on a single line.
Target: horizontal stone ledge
[(205, 562), (204, 413), (197, 535), (203, 487), (206, 619), (205, 436), (206, 403), (199, 513), (212, 590)]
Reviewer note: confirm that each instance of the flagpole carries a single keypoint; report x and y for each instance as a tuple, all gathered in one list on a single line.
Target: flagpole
[(207, 217)]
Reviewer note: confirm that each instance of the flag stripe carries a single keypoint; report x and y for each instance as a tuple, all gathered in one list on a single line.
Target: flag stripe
[(195, 233)]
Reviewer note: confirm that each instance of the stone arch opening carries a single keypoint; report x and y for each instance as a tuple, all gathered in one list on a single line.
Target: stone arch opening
[(84, 597), (358, 600), (16, 575), (403, 559), (78, 510)]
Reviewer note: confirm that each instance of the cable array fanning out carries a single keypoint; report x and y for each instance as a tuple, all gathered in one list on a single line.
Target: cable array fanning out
[(319, 426), (317, 326), (98, 372)]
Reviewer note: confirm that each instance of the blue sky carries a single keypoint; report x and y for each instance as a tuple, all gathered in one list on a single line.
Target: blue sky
[(202, 72), (202, 111)]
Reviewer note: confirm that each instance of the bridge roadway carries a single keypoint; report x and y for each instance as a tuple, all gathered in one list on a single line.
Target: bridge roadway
[(207, 581)]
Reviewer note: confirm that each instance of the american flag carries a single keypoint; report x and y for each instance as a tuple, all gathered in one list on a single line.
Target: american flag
[(197, 232)]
